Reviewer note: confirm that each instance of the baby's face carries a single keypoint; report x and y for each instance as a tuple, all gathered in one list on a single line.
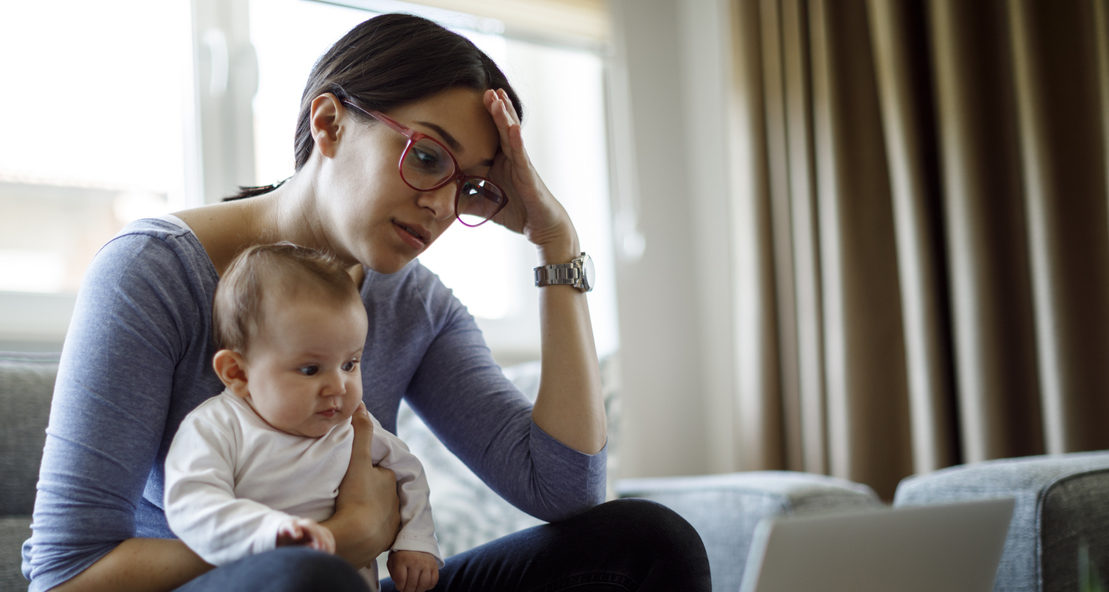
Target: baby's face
[(303, 370)]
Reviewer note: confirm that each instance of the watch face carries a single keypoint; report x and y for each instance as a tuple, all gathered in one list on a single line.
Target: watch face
[(588, 273)]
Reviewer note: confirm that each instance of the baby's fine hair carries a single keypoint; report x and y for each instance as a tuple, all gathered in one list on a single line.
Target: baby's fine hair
[(281, 270)]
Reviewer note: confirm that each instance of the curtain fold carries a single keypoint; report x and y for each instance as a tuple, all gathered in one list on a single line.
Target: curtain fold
[(936, 251), (987, 234), (906, 112), (1058, 104)]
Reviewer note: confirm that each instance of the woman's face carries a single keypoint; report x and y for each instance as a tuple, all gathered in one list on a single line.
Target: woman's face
[(369, 212)]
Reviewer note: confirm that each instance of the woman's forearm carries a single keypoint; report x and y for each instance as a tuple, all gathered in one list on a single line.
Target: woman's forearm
[(570, 405), (140, 565)]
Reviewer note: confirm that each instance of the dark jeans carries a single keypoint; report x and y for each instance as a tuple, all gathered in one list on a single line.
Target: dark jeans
[(622, 545)]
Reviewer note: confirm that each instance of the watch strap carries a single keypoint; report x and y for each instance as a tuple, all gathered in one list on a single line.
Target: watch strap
[(561, 274)]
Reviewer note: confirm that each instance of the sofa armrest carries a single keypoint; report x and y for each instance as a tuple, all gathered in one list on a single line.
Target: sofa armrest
[(725, 509), (1060, 507), (26, 386)]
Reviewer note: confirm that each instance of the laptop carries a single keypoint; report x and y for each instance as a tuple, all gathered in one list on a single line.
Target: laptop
[(953, 547)]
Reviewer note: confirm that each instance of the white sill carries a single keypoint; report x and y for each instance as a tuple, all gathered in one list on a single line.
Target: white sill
[(34, 321)]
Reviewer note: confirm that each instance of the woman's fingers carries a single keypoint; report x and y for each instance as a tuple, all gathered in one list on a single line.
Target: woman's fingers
[(504, 115), (363, 433), (532, 210)]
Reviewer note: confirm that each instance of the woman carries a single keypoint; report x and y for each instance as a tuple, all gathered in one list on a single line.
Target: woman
[(137, 359)]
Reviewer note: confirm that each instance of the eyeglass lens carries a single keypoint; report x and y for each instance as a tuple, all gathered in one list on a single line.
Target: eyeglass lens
[(427, 164), (478, 200)]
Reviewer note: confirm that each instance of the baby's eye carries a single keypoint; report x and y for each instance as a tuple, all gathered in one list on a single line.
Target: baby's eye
[(350, 366), (309, 370)]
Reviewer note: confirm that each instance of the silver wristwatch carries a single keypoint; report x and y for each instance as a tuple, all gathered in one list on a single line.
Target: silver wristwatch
[(577, 273)]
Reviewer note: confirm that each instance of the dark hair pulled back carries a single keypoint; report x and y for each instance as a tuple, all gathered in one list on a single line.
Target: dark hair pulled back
[(393, 59), (388, 61)]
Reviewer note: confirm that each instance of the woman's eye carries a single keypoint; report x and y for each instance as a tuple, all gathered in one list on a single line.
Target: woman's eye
[(310, 370), (428, 157), (425, 159)]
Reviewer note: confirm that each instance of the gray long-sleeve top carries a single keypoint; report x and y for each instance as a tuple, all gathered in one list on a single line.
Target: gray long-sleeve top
[(138, 357)]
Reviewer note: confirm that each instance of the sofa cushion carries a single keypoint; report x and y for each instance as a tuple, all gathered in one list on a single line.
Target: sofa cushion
[(1060, 510), (13, 531), (467, 512), (26, 385), (725, 509)]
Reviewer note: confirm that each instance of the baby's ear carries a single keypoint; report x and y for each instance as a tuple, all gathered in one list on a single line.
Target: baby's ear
[(231, 369)]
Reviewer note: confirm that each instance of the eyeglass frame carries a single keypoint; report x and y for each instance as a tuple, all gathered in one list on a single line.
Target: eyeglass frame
[(458, 176)]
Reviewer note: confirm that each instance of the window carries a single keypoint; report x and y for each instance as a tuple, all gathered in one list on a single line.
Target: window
[(132, 131), (93, 114)]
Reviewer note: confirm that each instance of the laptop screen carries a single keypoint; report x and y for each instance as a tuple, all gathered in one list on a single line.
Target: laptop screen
[(955, 547)]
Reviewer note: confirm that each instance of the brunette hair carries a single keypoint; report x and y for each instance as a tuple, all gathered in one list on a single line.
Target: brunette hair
[(265, 271), (388, 61)]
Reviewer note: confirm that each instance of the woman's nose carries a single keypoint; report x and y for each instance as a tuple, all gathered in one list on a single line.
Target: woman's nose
[(440, 202)]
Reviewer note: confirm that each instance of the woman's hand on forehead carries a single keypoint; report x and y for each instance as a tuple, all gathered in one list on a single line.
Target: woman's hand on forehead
[(532, 210)]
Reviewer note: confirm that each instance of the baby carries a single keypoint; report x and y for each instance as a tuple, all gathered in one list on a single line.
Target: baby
[(259, 465)]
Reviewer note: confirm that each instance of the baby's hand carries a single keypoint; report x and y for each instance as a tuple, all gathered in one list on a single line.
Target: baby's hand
[(302, 531), (413, 571)]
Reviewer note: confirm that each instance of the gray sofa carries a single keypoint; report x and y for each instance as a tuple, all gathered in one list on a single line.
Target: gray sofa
[(1058, 538), (1059, 535), (467, 512), (1061, 507), (26, 383), (725, 509)]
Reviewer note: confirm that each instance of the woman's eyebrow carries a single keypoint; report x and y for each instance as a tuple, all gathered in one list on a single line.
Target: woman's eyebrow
[(449, 139)]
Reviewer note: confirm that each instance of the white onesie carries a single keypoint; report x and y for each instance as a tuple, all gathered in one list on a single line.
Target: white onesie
[(232, 482)]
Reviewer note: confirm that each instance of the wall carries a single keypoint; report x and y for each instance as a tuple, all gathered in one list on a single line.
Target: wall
[(671, 175)]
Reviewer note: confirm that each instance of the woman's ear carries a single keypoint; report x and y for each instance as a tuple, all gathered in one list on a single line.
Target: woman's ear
[(323, 120), (230, 366)]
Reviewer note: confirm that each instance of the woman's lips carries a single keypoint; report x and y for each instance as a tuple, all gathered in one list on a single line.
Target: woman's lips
[(415, 236)]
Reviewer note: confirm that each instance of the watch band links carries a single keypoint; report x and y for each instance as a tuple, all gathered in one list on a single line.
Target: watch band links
[(550, 275)]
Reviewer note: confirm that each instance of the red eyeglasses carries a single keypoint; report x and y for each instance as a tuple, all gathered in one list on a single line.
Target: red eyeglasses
[(426, 165)]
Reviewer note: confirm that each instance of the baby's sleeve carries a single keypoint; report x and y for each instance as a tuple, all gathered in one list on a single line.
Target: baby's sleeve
[(417, 530)]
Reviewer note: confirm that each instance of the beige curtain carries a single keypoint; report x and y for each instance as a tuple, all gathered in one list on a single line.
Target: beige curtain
[(929, 209)]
